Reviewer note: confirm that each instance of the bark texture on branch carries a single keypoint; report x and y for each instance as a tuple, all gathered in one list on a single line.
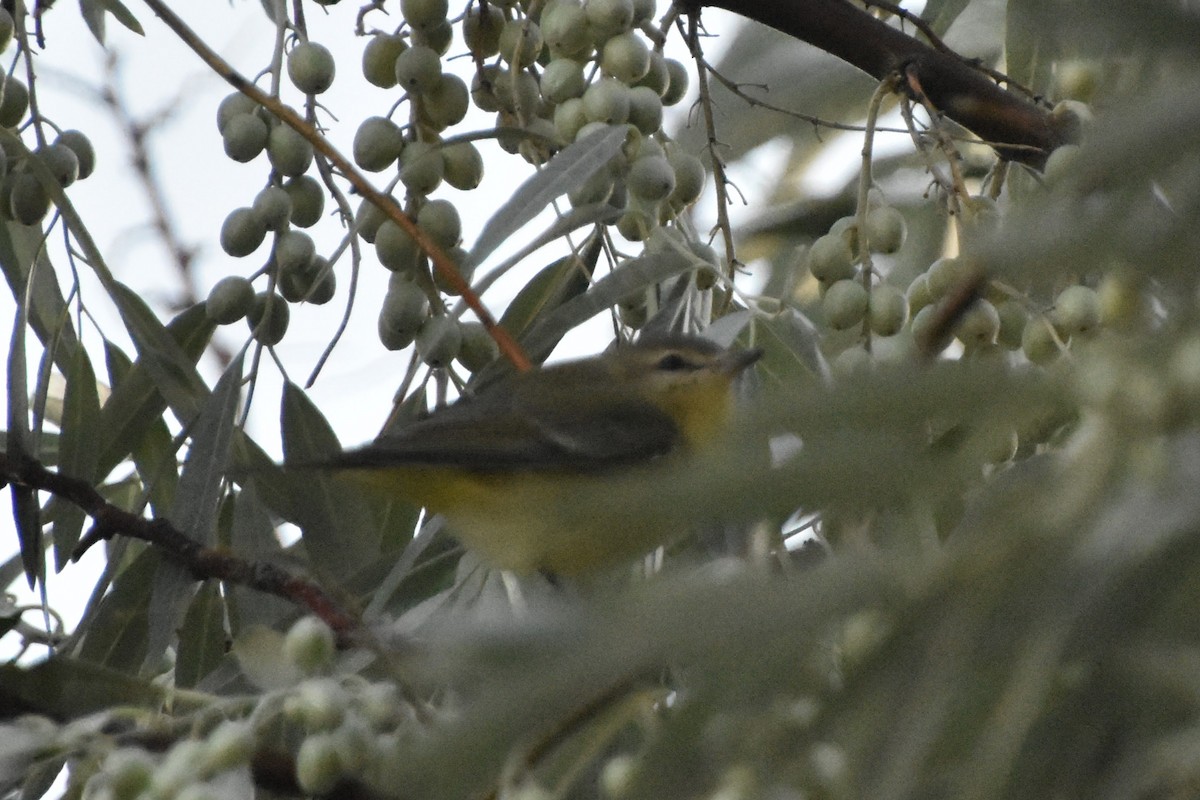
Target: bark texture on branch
[(1020, 129)]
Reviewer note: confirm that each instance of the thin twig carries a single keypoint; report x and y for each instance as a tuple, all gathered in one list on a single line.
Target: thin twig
[(202, 562), (720, 180)]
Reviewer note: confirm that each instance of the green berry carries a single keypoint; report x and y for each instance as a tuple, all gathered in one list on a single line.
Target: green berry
[(322, 284), (922, 326), (656, 77), (1038, 341), (244, 137), (562, 79), (232, 106), (288, 151), (1121, 300), (439, 218), (242, 232), (294, 250), (395, 248), (651, 178), (229, 746), (273, 205), (418, 69), (318, 764), (478, 347), (447, 102), (481, 30), (1061, 164), (919, 294), (309, 646), (7, 28), (851, 362), (946, 274), (61, 161), (564, 28), (14, 102), (462, 265), (377, 144), (885, 229), (643, 11), (421, 167), (979, 325), (308, 200), (424, 13), (830, 258), (404, 309), (677, 82), (607, 100), (689, 178), (569, 119), (626, 57), (379, 59), (462, 165), (1077, 310), (439, 341), (636, 225), (610, 17), (516, 91), (887, 310), (229, 300), (311, 67), (368, 220), (645, 109), (520, 43), (436, 37), (81, 146), (268, 318), (844, 304)]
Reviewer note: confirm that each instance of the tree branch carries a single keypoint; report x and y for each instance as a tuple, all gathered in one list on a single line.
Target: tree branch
[(1019, 129), (202, 562)]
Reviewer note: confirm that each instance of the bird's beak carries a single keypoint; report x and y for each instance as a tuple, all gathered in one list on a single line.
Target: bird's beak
[(734, 361)]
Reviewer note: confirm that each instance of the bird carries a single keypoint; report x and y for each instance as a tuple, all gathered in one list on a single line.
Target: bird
[(509, 467)]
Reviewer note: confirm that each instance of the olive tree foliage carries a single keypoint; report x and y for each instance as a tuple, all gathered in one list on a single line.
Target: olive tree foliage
[(946, 551)]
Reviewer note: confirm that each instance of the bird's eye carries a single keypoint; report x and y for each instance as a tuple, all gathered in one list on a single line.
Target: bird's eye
[(673, 362)]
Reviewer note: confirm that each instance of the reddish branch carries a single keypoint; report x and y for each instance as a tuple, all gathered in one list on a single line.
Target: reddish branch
[(1018, 128), (202, 562)]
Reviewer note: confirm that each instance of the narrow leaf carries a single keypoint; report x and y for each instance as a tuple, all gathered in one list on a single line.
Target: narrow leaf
[(793, 352), (155, 457), (194, 511), (67, 689), (202, 639), (78, 447), (574, 219), (124, 16), (93, 14), (551, 287), (252, 535), (26, 514), (20, 249), (338, 534), (629, 277), (572, 166), (116, 635), (203, 475), (136, 401), (173, 372)]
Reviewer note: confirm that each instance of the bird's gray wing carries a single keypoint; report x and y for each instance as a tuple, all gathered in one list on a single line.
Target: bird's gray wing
[(500, 438)]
